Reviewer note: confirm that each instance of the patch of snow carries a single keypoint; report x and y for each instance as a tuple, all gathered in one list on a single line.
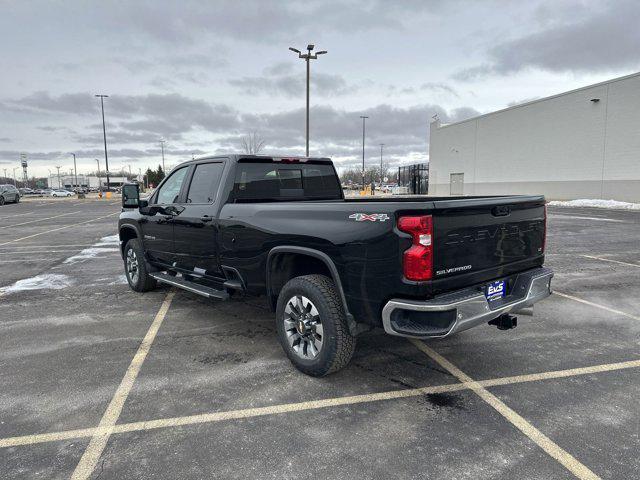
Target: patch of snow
[(122, 280), (111, 240), (88, 253), (49, 281), (104, 245), (596, 203)]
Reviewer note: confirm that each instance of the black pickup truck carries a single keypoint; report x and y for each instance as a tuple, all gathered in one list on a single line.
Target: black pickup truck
[(332, 267)]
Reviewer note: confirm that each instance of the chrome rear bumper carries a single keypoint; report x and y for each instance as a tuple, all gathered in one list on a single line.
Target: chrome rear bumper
[(463, 309)]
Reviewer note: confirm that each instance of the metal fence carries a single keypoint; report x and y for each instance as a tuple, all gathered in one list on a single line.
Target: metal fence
[(415, 178)]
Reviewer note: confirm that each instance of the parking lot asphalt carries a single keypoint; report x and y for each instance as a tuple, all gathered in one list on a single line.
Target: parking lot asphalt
[(102, 382)]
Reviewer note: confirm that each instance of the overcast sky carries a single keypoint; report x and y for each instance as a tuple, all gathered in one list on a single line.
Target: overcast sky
[(203, 74)]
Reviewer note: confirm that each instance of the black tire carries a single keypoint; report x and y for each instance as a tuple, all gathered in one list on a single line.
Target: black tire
[(338, 344), (17, 198), (1, 200), (142, 282)]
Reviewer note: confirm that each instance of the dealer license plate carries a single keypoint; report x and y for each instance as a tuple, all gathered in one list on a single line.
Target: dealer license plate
[(495, 290)]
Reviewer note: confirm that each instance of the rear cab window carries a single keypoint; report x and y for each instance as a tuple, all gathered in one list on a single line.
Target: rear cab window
[(268, 180)]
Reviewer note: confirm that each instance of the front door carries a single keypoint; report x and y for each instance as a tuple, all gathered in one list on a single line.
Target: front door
[(196, 228), (157, 230)]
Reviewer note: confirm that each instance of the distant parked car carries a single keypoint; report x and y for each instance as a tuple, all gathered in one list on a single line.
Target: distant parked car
[(25, 191), (9, 193), (61, 193)]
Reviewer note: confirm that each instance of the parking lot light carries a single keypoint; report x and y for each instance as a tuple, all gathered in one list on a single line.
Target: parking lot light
[(307, 57), (104, 134)]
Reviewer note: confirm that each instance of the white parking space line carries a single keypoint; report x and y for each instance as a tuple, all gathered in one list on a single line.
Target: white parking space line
[(17, 215), (59, 228), (99, 440), (611, 260), (567, 460), (26, 260), (597, 305), (20, 252), (309, 405), (40, 219), (62, 245)]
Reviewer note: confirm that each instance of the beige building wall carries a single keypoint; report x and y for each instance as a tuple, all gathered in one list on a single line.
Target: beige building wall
[(580, 144)]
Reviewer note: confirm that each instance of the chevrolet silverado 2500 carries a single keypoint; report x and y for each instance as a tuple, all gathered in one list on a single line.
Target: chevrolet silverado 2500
[(332, 267)]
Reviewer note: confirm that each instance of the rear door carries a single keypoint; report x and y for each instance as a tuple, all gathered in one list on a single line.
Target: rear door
[(484, 238), (196, 228)]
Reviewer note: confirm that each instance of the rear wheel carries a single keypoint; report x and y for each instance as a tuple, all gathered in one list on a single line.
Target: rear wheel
[(1, 200), (135, 267), (312, 325), (17, 198)]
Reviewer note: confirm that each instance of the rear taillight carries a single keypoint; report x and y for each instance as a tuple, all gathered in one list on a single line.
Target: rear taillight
[(418, 259)]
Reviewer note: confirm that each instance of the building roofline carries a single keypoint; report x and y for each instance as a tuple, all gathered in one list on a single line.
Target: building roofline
[(538, 100)]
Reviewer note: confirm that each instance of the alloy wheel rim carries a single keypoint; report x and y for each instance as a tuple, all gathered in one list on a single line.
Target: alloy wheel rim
[(132, 265), (303, 327)]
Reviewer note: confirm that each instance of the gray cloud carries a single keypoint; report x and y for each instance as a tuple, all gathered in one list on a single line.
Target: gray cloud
[(608, 39), (282, 79), (143, 119), (187, 21)]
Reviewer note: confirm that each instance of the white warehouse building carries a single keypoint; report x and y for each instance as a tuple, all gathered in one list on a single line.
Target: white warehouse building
[(580, 144)]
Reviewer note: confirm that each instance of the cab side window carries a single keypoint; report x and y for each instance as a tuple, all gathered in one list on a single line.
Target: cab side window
[(170, 190), (205, 183)]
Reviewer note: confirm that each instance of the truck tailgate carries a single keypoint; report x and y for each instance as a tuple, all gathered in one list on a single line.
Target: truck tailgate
[(479, 238)]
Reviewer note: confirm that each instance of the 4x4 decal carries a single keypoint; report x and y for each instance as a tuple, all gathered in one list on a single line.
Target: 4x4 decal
[(371, 217)]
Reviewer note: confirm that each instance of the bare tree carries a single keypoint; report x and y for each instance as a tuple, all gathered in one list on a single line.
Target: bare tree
[(252, 144)]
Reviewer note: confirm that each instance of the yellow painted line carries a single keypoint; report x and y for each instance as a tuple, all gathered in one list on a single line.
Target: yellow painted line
[(310, 405), (567, 460), (99, 439), (612, 261), (57, 229), (40, 219), (46, 437), (597, 305)]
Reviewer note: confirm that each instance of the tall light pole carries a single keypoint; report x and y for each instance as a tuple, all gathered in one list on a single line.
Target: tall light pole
[(307, 57), (5, 173), (162, 148), (59, 184), (381, 145), (99, 185), (104, 134), (75, 170), (15, 182), (364, 118)]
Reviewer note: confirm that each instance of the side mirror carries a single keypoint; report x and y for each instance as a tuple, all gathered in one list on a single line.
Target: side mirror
[(131, 196)]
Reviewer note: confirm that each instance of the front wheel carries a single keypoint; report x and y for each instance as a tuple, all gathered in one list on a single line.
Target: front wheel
[(312, 325), (1, 200), (135, 267)]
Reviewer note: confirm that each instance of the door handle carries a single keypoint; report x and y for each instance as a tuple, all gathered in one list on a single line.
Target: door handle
[(206, 218)]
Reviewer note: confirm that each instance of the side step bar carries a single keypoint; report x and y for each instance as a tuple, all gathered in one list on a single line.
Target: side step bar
[(190, 286)]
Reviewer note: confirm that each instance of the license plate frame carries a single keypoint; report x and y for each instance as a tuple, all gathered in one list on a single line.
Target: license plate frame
[(495, 290)]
